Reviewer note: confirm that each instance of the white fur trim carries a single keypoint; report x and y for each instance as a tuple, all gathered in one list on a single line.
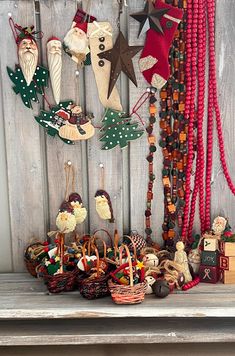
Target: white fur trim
[(172, 18)]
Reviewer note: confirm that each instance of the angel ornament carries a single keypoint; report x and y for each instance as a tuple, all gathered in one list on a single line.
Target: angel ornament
[(182, 259)]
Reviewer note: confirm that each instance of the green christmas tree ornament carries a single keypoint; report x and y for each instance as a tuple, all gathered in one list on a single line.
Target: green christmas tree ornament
[(29, 92), (118, 130), (54, 119)]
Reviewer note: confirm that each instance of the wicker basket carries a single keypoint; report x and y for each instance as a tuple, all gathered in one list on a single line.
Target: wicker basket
[(127, 294), (62, 282), (94, 286), (33, 263)]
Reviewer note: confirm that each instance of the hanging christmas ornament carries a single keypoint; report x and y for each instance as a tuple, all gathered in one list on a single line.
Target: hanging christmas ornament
[(103, 203), (54, 58), (154, 58), (29, 78), (67, 121), (118, 130), (100, 39), (150, 18), (120, 57), (72, 208), (78, 126), (79, 210), (75, 42)]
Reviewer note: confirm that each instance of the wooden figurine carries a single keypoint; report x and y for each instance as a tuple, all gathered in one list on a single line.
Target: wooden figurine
[(182, 259)]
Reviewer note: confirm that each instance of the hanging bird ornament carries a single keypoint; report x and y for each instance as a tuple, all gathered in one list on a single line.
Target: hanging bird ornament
[(149, 18)]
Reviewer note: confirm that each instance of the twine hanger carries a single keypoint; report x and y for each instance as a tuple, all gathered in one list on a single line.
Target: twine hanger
[(102, 176), (69, 179)]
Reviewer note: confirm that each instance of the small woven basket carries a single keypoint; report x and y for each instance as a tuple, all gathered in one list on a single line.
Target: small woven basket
[(32, 263), (127, 294), (94, 286), (61, 282)]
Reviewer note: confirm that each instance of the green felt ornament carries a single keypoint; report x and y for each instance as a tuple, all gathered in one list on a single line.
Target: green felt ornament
[(52, 122), (29, 93), (118, 130)]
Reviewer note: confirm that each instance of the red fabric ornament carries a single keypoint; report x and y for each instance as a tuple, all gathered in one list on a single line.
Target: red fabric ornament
[(154, 58)]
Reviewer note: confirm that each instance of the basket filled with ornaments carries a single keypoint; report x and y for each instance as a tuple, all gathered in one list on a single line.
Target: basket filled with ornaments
[(59, 271), (93, 271), (127, 283), (35, 253)]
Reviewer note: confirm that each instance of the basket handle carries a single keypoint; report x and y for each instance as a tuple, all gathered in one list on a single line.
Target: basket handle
[(88, 244), (107, 233), (103, 243), (133, 243), (129, 262)]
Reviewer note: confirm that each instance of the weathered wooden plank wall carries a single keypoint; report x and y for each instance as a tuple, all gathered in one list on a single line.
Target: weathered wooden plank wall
[(35, 162)]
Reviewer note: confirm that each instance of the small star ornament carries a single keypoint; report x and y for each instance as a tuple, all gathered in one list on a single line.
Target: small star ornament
[(149, 18), (120, 57)]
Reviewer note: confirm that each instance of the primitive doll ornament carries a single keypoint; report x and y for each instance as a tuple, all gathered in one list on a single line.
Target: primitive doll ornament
[(181, 259), (100, 39), (75, 42), (103, 203)]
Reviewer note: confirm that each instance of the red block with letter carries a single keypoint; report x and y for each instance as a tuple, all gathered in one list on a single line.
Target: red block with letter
[(209, 274)]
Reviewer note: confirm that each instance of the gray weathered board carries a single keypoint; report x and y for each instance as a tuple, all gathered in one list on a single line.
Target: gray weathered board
[(34, 162)]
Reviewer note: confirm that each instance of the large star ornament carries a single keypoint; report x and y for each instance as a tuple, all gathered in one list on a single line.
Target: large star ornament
[(149, 18), (120, 57)]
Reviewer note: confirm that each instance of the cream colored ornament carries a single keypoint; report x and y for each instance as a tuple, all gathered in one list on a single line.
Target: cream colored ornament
[(150, 280), (65, 222), (28, 58), (54, 57), (102, 207), (151, 260), (182, 260), (79, 211)]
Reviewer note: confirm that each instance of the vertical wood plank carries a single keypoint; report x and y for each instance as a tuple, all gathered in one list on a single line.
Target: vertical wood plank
[(104, 10), (56, 19), (24, 156), (139, 149), (222, 199)]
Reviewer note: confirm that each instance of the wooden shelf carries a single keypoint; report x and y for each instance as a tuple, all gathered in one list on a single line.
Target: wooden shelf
[(29, 315)]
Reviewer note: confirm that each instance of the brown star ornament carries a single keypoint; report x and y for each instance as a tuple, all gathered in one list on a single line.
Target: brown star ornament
[(120, 57), (149, 18)]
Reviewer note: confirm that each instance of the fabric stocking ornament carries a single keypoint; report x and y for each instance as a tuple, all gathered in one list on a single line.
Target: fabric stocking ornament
[(154, 57), (75, 43), (100, 39)]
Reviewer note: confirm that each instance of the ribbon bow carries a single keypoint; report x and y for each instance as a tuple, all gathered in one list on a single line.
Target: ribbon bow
[(207, 271)]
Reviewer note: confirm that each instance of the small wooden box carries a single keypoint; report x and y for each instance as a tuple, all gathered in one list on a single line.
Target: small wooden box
[(210, 258), (228, 277), (227, 248), (210, 244), (227, 263), (208, 274)]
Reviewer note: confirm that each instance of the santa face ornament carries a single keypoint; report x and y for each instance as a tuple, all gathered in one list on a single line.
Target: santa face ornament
[(54, 57), (75, 45), (103, 205), (28, 58)]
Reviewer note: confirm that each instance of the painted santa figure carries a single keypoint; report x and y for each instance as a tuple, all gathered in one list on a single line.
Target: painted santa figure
[(54, 58), (27, 52)]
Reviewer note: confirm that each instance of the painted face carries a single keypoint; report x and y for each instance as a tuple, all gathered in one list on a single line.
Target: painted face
[(54, 47), (28, 58)]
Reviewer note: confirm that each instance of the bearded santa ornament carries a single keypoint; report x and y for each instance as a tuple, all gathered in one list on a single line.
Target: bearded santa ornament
[(54, 58), (75, 43), (103, 205), (27, 52)]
